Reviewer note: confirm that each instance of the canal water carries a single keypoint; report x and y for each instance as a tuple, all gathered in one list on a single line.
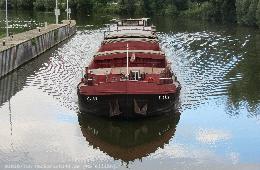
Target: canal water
[(217, 125)]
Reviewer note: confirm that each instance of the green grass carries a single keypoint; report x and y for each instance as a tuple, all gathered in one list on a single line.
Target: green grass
[(2, 35)]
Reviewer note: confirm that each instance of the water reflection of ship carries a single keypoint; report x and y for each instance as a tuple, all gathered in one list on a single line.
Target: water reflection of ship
[(128, 140)]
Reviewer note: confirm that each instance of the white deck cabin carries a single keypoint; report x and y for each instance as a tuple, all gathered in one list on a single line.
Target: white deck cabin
[(131, 28)]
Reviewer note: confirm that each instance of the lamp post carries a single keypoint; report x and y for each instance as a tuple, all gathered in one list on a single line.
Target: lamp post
[(57, 12), (6, 18), (67, 9)]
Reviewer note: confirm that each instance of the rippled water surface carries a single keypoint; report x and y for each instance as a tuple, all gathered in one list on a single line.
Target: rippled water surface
[(217, 126)]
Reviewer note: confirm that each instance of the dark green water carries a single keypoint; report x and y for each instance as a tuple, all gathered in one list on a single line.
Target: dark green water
[(217, 126)]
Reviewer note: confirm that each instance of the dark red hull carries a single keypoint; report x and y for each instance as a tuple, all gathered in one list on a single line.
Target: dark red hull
[(129, 106)]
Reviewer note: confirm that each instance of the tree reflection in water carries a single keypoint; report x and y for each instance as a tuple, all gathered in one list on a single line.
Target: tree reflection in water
[(245, 92)]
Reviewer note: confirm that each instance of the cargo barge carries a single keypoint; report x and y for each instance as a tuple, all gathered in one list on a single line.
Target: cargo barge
[(130, 75)]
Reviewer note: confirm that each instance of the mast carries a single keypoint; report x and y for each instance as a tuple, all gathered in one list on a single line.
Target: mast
[(127, 56)]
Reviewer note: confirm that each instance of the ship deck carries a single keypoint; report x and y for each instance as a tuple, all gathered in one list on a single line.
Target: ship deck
[(127, 87)]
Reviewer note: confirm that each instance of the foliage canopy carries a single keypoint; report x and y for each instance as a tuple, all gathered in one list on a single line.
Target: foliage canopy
[(241, 11)]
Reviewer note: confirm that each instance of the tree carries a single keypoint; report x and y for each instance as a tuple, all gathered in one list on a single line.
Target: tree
[(85, 5), (131, 7), (49, 4), (25, 4), (258, 14), (251, 14), (239, 11), (147, 7), (229, 10), (182, 4), (73, 4), (39, 4), (10, 4), (247, 11)]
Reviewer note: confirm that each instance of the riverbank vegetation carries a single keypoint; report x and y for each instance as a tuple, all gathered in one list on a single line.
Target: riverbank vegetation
[(245, 12)]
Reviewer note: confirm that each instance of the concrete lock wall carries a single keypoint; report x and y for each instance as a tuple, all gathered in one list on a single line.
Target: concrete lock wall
[(11, 84), (21, 52)]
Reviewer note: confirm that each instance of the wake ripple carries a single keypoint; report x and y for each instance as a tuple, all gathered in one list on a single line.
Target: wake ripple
[(61, 74), (202, 62)]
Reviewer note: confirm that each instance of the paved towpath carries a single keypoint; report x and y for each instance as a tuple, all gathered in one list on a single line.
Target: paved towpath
[(28, 35)]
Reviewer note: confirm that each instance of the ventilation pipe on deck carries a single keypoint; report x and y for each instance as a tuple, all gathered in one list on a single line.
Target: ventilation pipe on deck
[(86, 75)]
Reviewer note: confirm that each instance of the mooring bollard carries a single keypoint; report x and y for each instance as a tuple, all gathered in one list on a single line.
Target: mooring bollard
[(11, 35)]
